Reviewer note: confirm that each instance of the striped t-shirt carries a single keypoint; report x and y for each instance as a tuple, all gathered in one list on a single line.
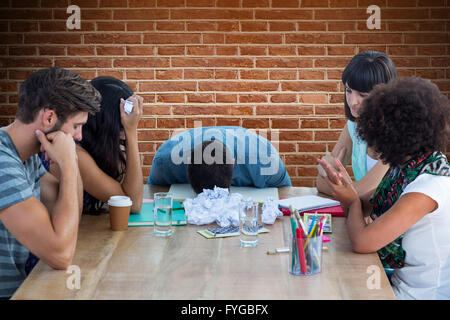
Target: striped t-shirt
[(18, 182)]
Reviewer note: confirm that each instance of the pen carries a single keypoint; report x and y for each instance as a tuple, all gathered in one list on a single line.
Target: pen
[(301, 252), (278, 250), (310, 235), (294, 254), (299, 219), (313, 222), (293, 225), (322, 223)]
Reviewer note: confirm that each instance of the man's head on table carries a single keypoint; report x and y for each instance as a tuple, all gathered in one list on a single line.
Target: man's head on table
[(211, 164)]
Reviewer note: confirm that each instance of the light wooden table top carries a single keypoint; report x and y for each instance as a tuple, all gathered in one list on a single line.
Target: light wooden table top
[(134, 264)]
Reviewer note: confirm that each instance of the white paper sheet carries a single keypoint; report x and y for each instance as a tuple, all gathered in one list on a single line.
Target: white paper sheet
[(306, 203), (184, 191)]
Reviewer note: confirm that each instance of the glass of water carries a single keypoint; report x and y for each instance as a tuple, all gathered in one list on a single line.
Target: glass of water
[(248, 223), (162, 226)]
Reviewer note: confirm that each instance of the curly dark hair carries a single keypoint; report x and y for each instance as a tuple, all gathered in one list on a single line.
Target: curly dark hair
[(404, 119)]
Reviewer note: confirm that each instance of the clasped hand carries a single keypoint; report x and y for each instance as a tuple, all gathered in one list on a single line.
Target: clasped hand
[(340, 183), (59, 147)]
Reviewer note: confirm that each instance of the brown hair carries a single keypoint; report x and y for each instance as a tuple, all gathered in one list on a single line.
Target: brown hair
[(58, 89)]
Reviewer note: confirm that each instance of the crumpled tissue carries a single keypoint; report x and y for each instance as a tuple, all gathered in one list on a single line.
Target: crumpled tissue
[(222, 207), (270, 211)]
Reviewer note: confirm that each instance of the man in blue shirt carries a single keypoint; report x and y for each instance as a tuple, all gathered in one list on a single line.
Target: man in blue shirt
[(40, 214), (253, 160)]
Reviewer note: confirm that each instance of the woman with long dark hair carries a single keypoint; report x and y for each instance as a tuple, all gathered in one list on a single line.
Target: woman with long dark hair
[(108, 154), (364, 71)]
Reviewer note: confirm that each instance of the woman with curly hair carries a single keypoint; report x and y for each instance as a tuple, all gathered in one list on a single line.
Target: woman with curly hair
[(363, 72), (407, 123)]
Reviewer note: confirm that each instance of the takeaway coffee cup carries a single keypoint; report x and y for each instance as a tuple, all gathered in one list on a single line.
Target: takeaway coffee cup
[(119, 212)]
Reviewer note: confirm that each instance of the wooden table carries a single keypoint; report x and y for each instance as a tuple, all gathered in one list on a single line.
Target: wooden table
[(134, 264)]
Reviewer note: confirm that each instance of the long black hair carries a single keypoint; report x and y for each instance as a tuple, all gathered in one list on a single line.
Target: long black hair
[(364, 71), (101, 133)]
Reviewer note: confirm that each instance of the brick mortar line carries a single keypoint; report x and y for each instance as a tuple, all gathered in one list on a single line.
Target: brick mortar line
[(225, 32), (245, 9)]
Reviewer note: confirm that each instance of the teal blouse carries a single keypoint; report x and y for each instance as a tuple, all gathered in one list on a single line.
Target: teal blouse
[(359, 153)]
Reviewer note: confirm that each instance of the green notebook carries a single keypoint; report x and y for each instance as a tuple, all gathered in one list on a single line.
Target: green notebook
[(145, 217)]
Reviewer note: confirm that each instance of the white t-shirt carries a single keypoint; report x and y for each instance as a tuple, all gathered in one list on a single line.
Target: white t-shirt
[(426, 274)]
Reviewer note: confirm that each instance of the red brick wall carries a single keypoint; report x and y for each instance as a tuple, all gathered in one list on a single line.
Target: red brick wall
[(260, 64)]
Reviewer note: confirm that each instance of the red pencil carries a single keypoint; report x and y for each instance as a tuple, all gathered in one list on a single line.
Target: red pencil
[(301, 252)]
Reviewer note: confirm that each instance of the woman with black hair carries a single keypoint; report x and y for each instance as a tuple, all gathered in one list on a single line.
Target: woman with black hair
[(363, 72), (407, 123), (108, 155)]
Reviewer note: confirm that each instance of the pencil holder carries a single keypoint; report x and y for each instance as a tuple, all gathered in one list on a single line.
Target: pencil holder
[(305, 256)]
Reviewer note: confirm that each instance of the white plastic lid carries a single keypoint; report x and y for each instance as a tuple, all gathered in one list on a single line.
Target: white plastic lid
[(120, 201)]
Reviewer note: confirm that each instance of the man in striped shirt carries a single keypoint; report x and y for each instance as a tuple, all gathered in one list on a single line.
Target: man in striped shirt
[(38, 213)]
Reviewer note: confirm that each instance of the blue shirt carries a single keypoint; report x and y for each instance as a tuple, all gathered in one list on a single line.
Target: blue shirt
[(359, 152), (19, 181), (257, 162)]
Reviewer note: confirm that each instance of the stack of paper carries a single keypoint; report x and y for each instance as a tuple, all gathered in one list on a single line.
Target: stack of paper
[(306, 203)]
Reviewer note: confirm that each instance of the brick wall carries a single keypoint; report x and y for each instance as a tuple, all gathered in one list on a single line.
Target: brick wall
[(271, 65)]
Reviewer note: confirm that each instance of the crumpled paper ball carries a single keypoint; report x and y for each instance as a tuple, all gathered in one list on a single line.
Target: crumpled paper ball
[(270, 211), (218, 205)]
